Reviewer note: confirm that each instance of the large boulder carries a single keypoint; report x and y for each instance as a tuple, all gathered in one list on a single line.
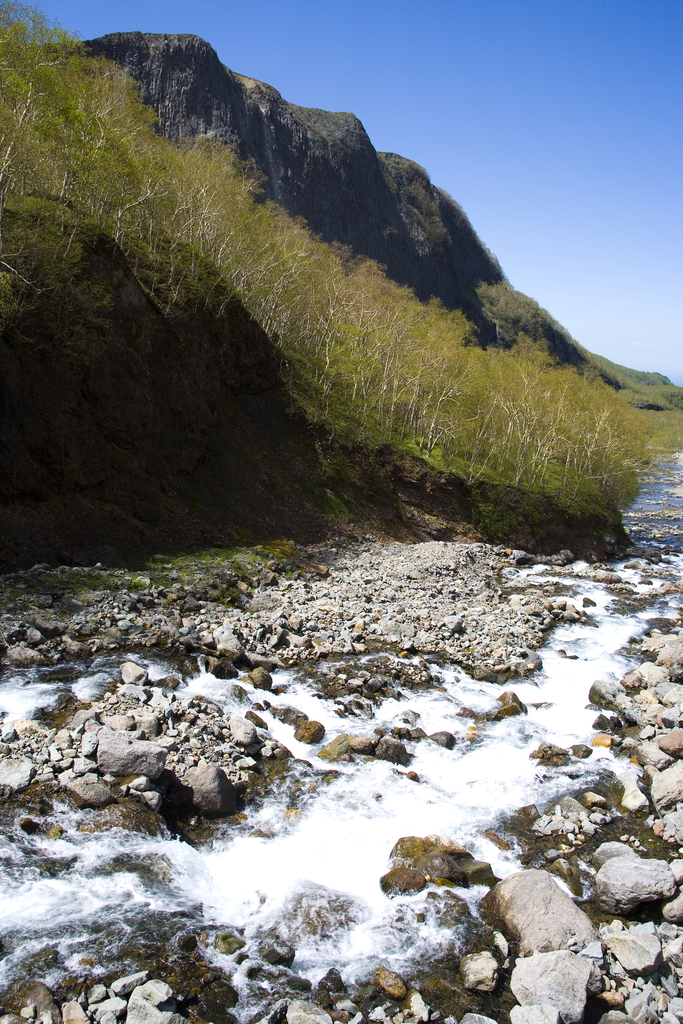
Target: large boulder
[(91, 794), (119, 754), (637, 954), (605, 691), (608, 851), (153, 1003), (212, 791), (532, 907), (242, 732), (559, 978), (624, 882), (300, 1012), (536, 1013), (16, 774), (133, 674), (666, 788)]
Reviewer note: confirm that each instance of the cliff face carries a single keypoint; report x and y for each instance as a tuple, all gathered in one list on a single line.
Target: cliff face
[(316, 164)]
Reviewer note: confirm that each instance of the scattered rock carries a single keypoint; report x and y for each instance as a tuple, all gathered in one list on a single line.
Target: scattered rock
[(16, 774), (132, 673), (638, 954), (402, 880), (391, 749)]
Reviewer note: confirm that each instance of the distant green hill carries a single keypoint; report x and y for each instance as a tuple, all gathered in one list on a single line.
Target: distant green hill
[(642, 389)]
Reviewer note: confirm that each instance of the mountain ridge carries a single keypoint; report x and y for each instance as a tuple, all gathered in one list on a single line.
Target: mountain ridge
[(316, 164)]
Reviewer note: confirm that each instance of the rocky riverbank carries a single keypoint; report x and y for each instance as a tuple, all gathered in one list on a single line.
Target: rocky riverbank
[(149, 748)]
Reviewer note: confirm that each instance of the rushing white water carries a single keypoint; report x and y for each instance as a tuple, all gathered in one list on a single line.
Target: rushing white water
[(311, 873)]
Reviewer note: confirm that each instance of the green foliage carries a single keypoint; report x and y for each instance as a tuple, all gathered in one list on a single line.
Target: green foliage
[(82, 169)]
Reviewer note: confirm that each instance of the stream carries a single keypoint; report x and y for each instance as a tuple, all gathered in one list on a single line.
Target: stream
[(303, 865)]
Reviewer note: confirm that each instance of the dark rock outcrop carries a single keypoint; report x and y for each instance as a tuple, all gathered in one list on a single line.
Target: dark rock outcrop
[(316, 164)]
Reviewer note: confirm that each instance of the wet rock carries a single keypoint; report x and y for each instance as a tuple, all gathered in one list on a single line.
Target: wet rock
[(119, 754), (479, 972), (129, 815), (212, 791), (477, 872), (26, 993), (437, 864), (242, 732), (16, 774), (535, 1013), (401, 880), (391, 984), (444, 739), (132, 673), (607, 851), (581, 750), (94, 795), (393, 750), (509, 705), (309, 732), (278, 953), (221, 668), (558, 978), (260, 678), (300, 1012), (605, 690), (624, 882), (228, 943), (336, 747), (363, 745), (637, 954), (532, 907)]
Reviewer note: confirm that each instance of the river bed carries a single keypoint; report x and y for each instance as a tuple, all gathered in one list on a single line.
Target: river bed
[(302, 865)]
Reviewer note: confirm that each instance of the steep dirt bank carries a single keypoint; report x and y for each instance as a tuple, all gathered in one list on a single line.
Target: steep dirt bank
[(177, 433)]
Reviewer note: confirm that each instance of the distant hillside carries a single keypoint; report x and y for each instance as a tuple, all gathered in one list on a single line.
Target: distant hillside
[(642, 389)]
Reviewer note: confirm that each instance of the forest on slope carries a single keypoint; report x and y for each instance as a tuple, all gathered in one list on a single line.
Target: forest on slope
[(83, 170)]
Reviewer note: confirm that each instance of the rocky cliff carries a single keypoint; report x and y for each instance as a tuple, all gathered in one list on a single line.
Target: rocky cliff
[(316, 164)]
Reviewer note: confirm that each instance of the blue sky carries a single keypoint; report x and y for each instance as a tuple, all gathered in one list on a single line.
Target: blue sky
[(557, 125)]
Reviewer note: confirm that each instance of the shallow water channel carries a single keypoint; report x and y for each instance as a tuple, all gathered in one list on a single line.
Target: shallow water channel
[(305, 863)]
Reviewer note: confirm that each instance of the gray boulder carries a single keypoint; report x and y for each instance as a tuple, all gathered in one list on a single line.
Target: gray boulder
[(637, 954), (132, 673), (535, 1013), (242, 731), (212, 791), (558, 978), (91, 794), (532, 907), (153, 1003), (479, 971), (624, 882), (228, 645), (667, 787), (605, 691), (16, 773), (119, 754), (299, 1012), (24, 657), (476, 1018), (607, 851)]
